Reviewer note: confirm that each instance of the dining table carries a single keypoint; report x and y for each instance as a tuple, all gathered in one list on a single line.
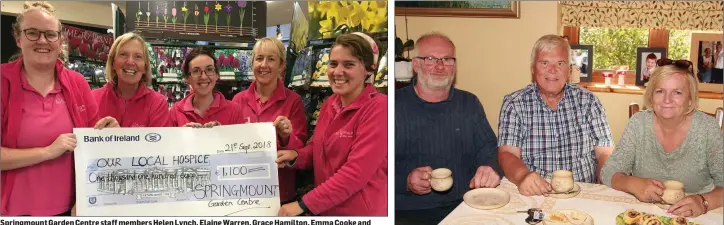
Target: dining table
[(601, 202)]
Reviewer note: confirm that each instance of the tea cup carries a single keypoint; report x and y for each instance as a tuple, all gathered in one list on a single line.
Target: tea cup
[(562, 181), (674, 191), (441, 179)]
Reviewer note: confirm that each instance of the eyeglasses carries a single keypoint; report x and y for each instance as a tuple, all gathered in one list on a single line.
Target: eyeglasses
[(209, 71), (429, 60), (33, 34)]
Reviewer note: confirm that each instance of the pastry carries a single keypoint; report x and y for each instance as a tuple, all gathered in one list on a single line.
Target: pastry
[(651, 220), (679, 221), (646, 217), (556, 219), (631, 217)]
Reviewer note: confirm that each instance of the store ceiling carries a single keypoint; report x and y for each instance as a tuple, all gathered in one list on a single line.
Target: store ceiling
[(278, 12)]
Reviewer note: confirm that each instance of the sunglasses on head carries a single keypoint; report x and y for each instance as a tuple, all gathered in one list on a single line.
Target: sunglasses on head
[(683, 64)]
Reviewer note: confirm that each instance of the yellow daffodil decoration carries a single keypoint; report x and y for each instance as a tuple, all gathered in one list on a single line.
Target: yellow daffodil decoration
[(329, 19)]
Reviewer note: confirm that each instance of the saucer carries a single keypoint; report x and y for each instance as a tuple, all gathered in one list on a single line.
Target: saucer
[(486, 198), (573, 193), (567, 217)]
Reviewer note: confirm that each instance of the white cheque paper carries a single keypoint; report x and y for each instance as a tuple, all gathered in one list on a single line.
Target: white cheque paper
[(220, 171)]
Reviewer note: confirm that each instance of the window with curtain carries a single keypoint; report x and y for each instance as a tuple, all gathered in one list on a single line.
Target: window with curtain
[(613, 46)]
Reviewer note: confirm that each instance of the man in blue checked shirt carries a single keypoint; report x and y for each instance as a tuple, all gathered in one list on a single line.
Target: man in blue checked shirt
[(551, 125)]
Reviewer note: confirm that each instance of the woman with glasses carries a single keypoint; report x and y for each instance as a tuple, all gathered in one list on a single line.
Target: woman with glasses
[(204, 107), (348, 151), (42, 101), (672, 140), (267, 100), (126, 96)]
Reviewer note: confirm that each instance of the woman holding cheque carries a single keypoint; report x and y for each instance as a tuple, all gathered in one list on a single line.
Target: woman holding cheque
[(42, 101), (204, 107), (267, 100), (126, 96), (349, 145)]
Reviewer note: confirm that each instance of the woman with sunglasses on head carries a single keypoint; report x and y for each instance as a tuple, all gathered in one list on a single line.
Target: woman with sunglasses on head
[(348, 150), (204, 107), (126, 96), (267, 100), (42, 101), (672, 140)]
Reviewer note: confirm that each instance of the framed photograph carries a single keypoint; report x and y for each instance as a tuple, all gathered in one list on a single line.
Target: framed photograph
[(477, 9), (706, 49), (646, 62), (581, 63)]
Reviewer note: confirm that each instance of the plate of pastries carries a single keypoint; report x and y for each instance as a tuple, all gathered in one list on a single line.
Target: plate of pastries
[(634, 217)]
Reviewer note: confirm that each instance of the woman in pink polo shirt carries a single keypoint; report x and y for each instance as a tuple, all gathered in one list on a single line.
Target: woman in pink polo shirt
[(349, 145), (126, 96), (267, 100), (42, 102), (204, 107)]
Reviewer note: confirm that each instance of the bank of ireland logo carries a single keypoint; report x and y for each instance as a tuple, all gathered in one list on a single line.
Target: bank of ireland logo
[(153, 137), (92, 200)]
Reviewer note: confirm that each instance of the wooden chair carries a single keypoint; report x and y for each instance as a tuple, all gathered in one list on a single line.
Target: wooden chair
[(633, 108), (719, 115)]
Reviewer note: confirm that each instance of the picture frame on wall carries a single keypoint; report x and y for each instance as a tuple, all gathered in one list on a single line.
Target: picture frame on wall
[(646, 63), (474, 9), (581, 63)]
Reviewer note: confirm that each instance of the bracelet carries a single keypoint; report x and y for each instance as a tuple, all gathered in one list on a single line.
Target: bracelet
[(303, 206), (704, 202)]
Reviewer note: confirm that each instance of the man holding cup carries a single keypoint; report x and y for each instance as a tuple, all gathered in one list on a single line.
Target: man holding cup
[(551, 125), (436, 127)]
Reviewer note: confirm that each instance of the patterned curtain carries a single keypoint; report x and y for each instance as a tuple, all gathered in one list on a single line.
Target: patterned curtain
[(673, 15)]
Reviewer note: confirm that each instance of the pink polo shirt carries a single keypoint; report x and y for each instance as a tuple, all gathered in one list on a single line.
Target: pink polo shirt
[(348, 154), (283, 102), (146, 108), (221, 110), (46, 188)]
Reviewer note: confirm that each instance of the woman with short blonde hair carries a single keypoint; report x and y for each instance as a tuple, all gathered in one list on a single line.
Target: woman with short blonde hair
[(671, 140), (267, 100)]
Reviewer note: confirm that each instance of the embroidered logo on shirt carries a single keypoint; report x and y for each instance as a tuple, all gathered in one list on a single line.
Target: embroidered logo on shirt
[(81, 108), (344, 134), (136, 125), (59, 101)]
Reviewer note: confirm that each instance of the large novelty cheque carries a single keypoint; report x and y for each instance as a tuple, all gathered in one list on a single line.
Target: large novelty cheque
[(220, 171)]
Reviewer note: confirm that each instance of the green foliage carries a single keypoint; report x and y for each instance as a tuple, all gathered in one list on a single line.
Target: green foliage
[(614, 46), (679, 44)]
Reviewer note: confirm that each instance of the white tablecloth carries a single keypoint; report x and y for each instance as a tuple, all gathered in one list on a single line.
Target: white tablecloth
[(599, 201)]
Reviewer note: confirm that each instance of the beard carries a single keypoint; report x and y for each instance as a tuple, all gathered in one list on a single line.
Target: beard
[(434, 82)]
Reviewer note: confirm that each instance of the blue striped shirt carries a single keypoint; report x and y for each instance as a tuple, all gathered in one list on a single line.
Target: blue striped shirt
[(453, 134), (561, 139)]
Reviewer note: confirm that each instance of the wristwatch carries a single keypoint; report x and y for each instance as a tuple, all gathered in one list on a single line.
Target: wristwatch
[(705, 202)]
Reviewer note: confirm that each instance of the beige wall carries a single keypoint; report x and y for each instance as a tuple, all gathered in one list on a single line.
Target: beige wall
[(96, 14), (494, 57)]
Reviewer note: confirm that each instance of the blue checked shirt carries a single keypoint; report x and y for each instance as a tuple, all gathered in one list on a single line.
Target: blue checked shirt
[(555, 140)]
